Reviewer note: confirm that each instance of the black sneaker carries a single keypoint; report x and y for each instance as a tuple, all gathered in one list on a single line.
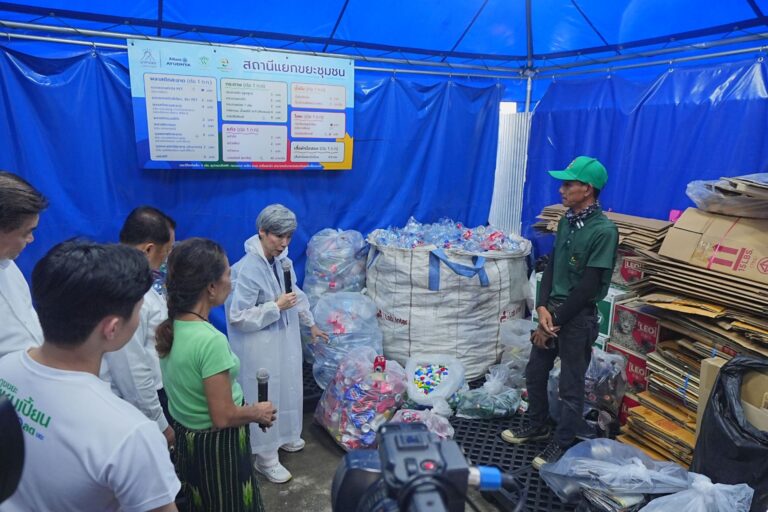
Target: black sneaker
[(526, 434), (551, 453)]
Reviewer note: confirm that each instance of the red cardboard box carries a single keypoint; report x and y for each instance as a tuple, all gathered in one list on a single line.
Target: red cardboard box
[(635, 328), (629, 401), (626, 272), (637, 379)]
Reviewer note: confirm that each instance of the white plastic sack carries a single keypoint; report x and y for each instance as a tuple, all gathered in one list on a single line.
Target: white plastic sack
[(446, 301), (516, 341), (613, 467), (447, 386), (349, 318), (704, 496)]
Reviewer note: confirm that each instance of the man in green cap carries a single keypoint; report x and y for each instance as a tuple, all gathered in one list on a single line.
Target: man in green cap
[(576, 278)]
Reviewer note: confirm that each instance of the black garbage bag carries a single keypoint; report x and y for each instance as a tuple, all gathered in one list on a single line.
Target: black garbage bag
[(730, 450)]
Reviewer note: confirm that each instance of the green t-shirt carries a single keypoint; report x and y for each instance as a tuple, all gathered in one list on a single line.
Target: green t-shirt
[(593, 245), (199, 351)]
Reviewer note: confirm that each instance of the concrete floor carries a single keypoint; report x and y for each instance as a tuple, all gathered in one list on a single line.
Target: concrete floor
[(313, 468)]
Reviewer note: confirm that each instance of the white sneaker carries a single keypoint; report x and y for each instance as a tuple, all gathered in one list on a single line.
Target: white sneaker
[(276, 474), (295, 446)]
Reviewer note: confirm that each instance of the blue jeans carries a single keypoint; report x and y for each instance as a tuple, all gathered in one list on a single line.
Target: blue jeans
[(574, 346)]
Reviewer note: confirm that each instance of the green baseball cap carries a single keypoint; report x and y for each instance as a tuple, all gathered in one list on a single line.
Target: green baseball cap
[(585, 169)]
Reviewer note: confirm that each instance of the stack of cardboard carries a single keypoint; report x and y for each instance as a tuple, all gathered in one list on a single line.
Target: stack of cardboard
[(634, 232), (708, 284)]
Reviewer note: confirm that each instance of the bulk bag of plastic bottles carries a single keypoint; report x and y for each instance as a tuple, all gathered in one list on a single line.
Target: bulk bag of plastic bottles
[(363, 395), (349, 318), (445, 288)]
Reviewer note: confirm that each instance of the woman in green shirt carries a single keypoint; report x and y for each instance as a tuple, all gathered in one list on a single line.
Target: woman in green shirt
[(213, 457)]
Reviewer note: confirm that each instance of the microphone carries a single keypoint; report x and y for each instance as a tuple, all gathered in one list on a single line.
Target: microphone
[(262, 376), (287, 276)]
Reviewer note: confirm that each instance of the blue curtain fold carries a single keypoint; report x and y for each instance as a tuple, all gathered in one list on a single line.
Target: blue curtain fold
[(421, 149), (654, 137)]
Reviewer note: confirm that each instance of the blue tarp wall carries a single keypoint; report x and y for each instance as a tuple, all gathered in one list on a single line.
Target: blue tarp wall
[(653, 136), (425, 148)]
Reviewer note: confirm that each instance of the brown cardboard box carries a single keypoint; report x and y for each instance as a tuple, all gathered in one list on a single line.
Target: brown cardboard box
[(754, 393), (637, 376), (634, 327), (732, 245)]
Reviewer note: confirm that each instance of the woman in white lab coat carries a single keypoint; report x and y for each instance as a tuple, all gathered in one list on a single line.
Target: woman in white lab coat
[(263, 327)]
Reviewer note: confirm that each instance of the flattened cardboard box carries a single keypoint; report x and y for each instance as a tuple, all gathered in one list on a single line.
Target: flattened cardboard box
[(731, 245)]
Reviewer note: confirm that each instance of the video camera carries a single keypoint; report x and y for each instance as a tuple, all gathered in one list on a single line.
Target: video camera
[(413, 471)]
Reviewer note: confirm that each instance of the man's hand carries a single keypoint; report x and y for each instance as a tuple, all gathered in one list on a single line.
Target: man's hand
[(545, 322), (541, 339)]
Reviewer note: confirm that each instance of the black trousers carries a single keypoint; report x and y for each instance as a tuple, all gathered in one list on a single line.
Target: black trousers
[(574, 346)]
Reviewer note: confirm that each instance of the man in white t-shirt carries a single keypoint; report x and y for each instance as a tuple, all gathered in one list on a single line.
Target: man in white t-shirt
[(86, 449), (20, 207), (134, 370)]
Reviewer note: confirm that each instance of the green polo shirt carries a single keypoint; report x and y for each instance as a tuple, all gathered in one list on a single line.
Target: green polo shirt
[(592, 245), (199, 351)]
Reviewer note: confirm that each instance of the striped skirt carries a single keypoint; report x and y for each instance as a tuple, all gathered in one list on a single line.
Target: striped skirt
[(215, 470)]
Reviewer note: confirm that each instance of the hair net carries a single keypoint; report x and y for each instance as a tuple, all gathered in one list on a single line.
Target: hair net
[(276, 219)]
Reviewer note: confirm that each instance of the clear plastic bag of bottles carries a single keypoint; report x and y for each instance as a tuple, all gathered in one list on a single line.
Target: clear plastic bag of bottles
[(363, 395), (436, 423), (349, 318), (335, 263), (493, 400)]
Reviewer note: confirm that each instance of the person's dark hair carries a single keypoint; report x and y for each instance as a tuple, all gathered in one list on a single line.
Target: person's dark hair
[(192, 266), (147, 224), (595, 193), (18, 200), (79, 283)]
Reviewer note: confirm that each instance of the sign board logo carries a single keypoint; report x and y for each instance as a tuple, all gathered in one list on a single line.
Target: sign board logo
[(149, 58)]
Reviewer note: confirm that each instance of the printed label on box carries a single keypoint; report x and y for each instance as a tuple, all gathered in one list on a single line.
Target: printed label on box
[(626, 272), (628, 402), (634, 328), (637, 378)]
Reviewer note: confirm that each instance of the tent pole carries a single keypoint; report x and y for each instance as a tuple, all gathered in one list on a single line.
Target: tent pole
[(510, 72), (528, 91), (677, 60), (703, 46), (49, 39), (439, 73)]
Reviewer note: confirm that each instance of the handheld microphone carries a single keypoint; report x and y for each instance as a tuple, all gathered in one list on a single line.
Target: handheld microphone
[(287, 276), (262, 376)]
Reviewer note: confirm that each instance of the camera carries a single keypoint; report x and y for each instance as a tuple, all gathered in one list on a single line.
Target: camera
[(414, 471)]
